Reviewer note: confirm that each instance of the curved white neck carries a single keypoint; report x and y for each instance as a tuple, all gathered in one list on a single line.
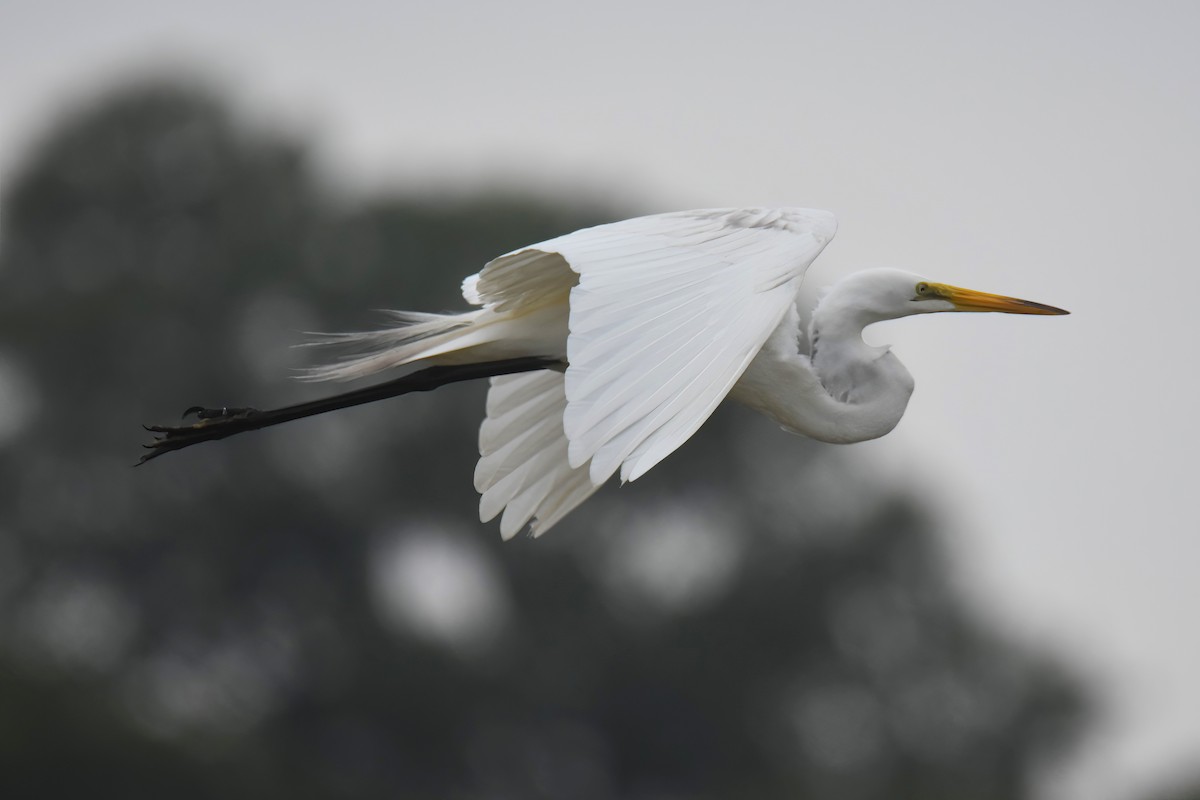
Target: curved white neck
[(847, 391)]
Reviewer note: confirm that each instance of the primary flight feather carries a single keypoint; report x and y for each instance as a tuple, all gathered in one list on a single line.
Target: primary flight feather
[(650, 323)]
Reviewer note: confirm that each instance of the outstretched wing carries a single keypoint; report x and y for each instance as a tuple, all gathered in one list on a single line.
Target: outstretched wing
[(665, 314)]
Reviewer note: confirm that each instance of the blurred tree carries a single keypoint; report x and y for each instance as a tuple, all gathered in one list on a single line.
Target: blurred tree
[(1191, 792), (314, 611)]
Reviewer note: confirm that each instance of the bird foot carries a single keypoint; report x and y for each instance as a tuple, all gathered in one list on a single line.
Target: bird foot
[(211, 423)]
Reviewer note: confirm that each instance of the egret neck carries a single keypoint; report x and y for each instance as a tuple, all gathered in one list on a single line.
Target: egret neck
[(845, 390)]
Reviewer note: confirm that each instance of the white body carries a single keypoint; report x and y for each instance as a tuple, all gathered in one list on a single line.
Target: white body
[(657, 319)]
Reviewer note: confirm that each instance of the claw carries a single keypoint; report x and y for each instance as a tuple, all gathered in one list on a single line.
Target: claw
[(210, 423)]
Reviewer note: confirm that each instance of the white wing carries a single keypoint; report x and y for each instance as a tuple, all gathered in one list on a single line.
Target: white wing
[(666, 314), (523, 466)]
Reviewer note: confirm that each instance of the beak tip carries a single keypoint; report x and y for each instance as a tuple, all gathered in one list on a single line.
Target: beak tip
[(1042, 308)]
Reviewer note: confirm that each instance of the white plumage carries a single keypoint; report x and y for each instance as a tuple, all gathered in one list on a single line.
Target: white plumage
[(657, 319)]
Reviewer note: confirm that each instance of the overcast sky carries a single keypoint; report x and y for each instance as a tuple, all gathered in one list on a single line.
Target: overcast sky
[(1046, 150)]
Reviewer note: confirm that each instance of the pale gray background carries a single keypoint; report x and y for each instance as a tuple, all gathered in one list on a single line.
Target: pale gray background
[(1046, 150)]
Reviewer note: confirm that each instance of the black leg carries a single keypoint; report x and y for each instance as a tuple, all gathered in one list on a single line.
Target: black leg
[(220, 423)]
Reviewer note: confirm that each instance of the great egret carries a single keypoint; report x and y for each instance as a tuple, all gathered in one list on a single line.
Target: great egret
[(607, 348)]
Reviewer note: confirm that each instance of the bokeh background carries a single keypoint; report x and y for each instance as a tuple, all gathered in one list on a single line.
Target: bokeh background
[(996, 601)]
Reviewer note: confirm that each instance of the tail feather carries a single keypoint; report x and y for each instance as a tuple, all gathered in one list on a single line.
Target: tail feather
[(416, 336)]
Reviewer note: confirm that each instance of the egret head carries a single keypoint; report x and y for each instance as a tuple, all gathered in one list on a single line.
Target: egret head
[(882, 294)]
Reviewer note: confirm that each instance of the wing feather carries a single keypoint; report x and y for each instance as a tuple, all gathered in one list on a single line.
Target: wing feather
[(666, 313), (520, 280), (523, 467), (653, 351)]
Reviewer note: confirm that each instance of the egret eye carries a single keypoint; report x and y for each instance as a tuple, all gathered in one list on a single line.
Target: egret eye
[(922, 289)]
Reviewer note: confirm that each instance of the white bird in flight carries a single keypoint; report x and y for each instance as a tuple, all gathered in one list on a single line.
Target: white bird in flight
[(607, 348)]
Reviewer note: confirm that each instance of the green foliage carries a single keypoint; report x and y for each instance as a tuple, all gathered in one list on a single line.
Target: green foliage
[(315, 611)]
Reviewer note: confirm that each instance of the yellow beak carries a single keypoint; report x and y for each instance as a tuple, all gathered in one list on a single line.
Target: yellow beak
[(971, 300)]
